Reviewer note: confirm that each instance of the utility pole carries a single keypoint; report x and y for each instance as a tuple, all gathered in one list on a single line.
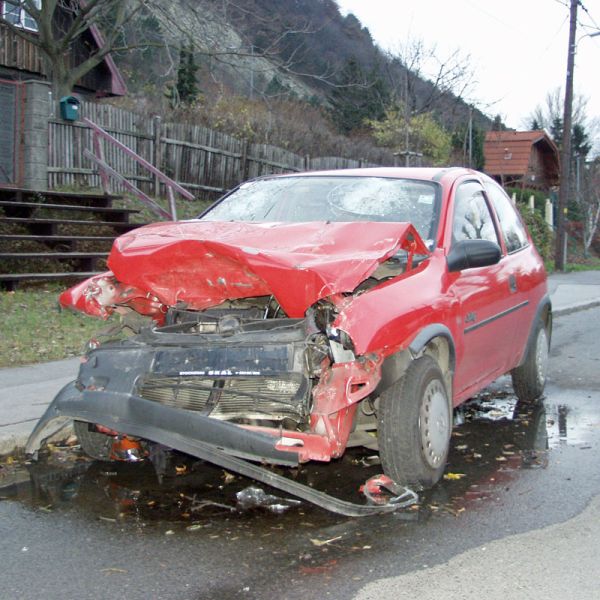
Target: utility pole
[(565, 155), (470, 136)]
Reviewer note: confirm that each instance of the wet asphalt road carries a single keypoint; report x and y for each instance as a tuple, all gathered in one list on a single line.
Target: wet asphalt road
[(70, 528)]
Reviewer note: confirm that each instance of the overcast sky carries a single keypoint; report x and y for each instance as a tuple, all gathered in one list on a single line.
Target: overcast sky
[(518, 47)]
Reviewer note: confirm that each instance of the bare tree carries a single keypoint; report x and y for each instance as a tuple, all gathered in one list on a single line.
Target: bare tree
[(61, 25), (588, 200), (423, 81), (545, 116)]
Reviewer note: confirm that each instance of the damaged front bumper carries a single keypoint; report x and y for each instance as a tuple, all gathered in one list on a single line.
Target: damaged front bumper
[(250, 395), (134, 416)]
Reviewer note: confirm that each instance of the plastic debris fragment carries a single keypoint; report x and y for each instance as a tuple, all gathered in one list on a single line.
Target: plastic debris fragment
[(381, 489), (255, 497)]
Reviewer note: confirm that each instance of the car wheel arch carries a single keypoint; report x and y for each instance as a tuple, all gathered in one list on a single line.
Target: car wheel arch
[(543, 313), (434, 340)]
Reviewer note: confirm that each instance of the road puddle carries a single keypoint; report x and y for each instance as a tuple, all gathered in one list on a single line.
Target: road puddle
[(494, 439)]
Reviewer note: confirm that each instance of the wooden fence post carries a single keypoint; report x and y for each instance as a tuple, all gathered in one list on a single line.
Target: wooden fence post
[(99, 150), (244, 161), (157, 158), (307, 162)]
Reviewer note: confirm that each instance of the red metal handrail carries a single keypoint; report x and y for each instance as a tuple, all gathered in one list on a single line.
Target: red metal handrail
[(105, 171)]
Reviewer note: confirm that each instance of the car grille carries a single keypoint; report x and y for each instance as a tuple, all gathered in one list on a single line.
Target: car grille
[(255, 398)]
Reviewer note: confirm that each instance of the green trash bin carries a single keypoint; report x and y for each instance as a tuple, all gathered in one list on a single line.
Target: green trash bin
[(69, 108)]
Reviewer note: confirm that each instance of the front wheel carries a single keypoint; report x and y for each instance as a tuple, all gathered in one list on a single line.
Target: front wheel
[(414, 426), (529, 379)]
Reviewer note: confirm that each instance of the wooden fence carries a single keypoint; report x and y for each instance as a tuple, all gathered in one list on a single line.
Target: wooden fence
[(206, 162)]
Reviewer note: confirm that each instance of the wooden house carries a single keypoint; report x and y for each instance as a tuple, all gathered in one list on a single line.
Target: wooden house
[(522, 159), (25, 99)]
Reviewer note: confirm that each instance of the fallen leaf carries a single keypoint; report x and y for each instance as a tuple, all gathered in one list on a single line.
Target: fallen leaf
[(113, 570), (228, 477), (453, 476)]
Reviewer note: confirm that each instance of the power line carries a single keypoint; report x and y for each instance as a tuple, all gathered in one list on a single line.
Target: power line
[(587, 12)]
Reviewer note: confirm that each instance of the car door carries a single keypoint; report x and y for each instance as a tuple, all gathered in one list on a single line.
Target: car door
[(483, 297), (523, 267)]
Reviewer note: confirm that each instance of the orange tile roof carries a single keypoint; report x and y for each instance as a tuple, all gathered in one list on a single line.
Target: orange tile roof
[(509, 152)]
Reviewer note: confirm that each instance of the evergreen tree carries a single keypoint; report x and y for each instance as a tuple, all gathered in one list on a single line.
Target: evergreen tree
[(358, 98), (498, 125), (535, 125), (187, 86), (580, 141), (556, 130)]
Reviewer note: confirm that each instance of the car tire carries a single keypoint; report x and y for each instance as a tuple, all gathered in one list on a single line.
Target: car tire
[(96, 445), (529, 379), (414, 426)]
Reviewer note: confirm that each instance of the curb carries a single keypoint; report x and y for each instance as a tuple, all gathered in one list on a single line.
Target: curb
[(14, 444), (571, 308)]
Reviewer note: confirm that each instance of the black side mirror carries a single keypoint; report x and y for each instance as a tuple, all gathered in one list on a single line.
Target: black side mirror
[(468, 254)]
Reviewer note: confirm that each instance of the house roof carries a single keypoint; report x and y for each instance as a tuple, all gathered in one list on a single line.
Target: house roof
[(509, 153), (118, 86)]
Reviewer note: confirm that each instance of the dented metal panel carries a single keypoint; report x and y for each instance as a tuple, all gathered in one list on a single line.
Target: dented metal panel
[(204, 263)]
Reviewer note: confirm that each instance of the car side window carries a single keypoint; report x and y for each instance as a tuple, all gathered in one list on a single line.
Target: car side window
[(513, 231), (472, 217)]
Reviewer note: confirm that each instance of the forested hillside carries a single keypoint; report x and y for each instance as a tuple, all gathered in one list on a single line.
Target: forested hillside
[(298, 74)]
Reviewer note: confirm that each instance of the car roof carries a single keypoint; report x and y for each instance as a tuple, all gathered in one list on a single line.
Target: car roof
[(420, 173)]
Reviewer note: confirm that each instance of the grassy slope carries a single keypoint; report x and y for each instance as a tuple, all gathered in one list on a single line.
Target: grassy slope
[(33, 328)]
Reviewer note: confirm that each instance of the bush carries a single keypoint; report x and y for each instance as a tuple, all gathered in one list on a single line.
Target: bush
[(543, 236)]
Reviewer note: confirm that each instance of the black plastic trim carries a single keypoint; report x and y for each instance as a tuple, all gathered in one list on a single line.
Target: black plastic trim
[(496, 317)]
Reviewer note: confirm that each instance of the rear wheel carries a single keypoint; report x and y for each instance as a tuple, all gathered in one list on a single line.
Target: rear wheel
[(530, 378), (94, 444), (414, 426)]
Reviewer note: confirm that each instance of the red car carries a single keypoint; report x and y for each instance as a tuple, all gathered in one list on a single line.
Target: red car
[(301, 314)]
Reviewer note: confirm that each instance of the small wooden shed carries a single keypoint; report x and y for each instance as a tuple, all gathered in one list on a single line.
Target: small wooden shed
[(522, 158)]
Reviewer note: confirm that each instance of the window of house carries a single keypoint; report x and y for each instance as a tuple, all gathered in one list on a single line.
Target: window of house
[(472, 217), (512, 228), (14, 12)]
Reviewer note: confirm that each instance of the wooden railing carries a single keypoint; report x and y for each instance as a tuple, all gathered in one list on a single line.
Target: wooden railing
[(106, 172)]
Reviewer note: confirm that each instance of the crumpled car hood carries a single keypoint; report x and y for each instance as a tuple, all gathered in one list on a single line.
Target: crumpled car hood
[(204, 263)]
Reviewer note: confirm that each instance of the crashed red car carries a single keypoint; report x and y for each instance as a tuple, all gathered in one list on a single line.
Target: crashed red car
[(302, 314)]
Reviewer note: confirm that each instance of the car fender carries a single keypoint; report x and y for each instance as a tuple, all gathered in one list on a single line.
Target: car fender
[(395, 365), (544, 306)]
